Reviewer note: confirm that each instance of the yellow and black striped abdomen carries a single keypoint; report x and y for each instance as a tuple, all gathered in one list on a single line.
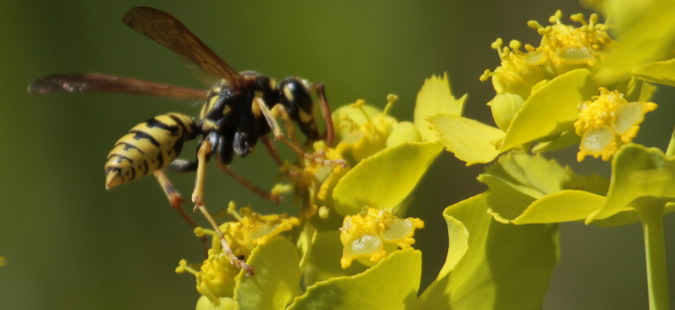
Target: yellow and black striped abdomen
[(149, 146)]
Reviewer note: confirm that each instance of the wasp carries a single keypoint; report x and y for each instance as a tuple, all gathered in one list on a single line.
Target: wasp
[(239, 109)]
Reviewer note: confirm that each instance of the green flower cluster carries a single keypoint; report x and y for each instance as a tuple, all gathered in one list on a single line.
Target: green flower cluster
[(349, 247)]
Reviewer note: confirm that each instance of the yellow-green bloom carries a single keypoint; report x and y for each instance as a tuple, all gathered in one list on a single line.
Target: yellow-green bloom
[(504, 108), (326, 175), (608, 121), (215, 278), (253, 229), (373, 234), (3, 261), (363, 130), (314, 180), (519, 70), (562, 48), (568, 47)]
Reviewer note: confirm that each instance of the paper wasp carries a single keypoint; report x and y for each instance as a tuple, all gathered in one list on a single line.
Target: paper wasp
[(238, 110)]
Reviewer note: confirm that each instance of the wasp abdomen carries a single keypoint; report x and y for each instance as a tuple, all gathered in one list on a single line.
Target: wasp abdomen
[(149, 146)]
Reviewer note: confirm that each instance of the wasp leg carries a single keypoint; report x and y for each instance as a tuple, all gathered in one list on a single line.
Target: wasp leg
[(182, 165), (272, 150), (329, 132), (189, 166), (261, 192), (174, 197), (176, 201), (280, 111), (271, 121), (198, 200)]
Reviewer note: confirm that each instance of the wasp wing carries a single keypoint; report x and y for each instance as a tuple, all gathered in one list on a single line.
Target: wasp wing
[(92, 82), (168, 31)]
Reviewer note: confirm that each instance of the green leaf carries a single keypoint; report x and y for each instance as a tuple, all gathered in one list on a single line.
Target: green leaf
[(224, 303), (627, 216), (507, 201), (564, 206), (647, 91), (305, 242), (390, 284), (650, 39), (403, 132), (565, 139), (636, 89), (471, 141), (324, 259), (527, 189), (517, 180), (637, 172), (347, 116), (550, 109), (593, 183), (624, 13), (435, 98), (491, 265), (504, 107), (385, 179), (660, 72), (276, 280)]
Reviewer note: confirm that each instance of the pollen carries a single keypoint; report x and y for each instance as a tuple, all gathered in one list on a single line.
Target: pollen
[(608, 121), (373, 234), (215, 277), (570, 47), (253, 229), (520, 68), (364, 129), (562, 48)]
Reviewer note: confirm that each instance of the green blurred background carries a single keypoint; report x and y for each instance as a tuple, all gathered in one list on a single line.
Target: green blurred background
[(72, 245)]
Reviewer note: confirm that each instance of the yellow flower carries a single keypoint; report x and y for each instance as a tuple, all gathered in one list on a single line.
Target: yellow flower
[(253, 229), (567, 47), (562, 48), (327, 176), (606, 122), (373, 234), (3, 261), (519, 70), (362, 129), (315, 178), (215, 278)]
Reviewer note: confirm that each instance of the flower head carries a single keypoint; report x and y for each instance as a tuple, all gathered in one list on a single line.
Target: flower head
[(519, 70), (363, 130), (315, 178), (253, 229), (568, 47), (606, 122), (373, 234), (562, 48), (215, 277)]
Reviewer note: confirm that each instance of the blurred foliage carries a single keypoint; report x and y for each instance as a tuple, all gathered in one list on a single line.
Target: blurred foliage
[(70, 244)]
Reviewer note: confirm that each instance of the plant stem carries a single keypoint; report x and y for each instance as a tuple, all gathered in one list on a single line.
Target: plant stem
[(651, 215)]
